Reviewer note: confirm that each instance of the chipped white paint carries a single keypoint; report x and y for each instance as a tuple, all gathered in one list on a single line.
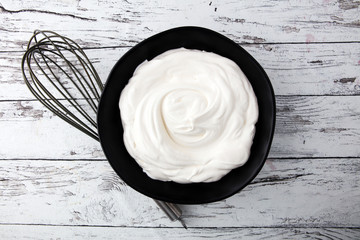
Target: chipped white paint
[(285, 193), (307, 126), (316, 69), (114, 23), (107, 233), (308, 48)]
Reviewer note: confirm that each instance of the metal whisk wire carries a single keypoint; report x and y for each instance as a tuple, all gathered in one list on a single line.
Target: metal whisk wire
[(65, 88)]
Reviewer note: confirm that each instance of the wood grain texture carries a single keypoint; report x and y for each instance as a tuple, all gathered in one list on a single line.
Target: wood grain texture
[(59, 232), (321, 126), (301, 69), (286, 193), (56, 184), (317, 127), (113, 23)]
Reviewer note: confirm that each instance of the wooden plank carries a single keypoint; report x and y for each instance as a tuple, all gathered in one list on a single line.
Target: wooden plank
[(306, 47), (322, 126), (110, 23), (61, 232), (286, 193), (32, 130), (317, 127), (294, 69)]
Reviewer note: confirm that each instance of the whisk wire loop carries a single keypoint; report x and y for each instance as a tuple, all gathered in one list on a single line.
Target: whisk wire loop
[(60, 75)]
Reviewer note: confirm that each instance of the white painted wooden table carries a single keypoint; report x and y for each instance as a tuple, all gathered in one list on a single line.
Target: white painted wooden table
[(55, 182)]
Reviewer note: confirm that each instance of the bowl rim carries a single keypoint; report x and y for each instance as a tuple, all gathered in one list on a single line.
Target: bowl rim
[(272, 119)]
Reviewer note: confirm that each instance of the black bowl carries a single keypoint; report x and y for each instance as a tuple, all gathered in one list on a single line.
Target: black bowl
[(111, 131)]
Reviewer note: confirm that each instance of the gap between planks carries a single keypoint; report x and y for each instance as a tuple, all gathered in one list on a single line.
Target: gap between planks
[(240, 44), (167, 227), (103, 160), (287, 96)]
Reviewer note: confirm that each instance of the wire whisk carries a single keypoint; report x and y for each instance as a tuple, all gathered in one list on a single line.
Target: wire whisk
[(60, 75)]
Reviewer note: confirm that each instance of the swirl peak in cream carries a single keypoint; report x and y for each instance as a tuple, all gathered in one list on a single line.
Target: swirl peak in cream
[(188, 116)]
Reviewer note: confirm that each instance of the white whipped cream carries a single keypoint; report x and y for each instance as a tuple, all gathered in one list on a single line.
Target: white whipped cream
[(188, 116)]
